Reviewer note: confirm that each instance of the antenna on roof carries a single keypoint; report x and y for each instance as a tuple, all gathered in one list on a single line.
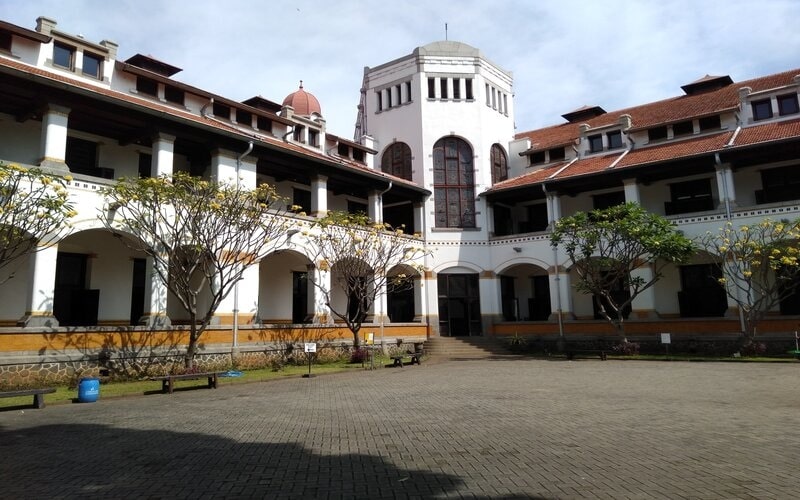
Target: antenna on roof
[(445, 31)]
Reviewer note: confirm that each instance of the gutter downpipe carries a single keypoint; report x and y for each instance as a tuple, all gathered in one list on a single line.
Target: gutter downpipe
[(729, 218), (236, 285), (559, 311)]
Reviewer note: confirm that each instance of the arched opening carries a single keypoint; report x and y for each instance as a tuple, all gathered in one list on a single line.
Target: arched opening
[(396, 160), (453, 183), (279, 273), (525, 293)]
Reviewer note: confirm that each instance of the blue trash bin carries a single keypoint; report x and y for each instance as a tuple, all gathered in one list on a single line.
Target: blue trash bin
[(88, 390)]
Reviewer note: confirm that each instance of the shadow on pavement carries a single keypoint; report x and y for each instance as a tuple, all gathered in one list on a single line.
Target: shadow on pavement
[(101, 461)]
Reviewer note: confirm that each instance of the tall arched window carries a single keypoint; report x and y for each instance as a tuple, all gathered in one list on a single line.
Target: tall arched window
[(499, 164), (453, 183), (396, 160)]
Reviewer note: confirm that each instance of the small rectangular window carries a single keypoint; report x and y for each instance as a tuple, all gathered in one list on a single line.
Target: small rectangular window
[(5, 41), (505, 103), (608, 200), (222, 111), (710, 123), (595, 143), (244, 117), (146, 86), (468, 85), (343, 150), (313, 138), (614, 139), (762, 109), (92, 65), (431, 88), (297, 134), (145, 165), (494, 98), (63, 55), (488, 96), (173, 95), (264, 124), (682, 128), (443, 87), (379, 96), (787, 104), (399, 95), (358, 155), (537, 157), (301, 199), (389, 101), (456, 88), (408, 91), (556, 154), (656, 133)]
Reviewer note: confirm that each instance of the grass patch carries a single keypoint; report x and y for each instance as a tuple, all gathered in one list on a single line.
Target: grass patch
[(65, 394)]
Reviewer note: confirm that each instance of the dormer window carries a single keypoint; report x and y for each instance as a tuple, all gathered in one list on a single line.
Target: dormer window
[(173, 95), (343, 150), (682, 128), (313, 137), (64, 56), (92, 65), (762, 109), (656, 133), (358, 155), (710, 123), (297, 135), (5, 41), (146, 86), (614, 139), (537, 158), (244, 117), (787, 104), (264, 124), (222, 111), (595, 143)]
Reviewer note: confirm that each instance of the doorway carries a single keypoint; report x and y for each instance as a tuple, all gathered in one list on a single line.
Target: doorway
[(459, 305)]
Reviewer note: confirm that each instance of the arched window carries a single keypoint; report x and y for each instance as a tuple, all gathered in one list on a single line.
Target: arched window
[(396, 160), (453, 183), (499, 164)]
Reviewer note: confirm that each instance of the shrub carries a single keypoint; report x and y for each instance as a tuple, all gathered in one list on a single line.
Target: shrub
[(627, 348), (752, 348), (359, 355)]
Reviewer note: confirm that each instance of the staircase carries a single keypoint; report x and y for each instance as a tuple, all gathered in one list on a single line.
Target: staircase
[(462, 348)]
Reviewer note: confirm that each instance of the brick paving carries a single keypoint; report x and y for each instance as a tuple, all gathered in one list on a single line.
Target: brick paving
[(471, 429)]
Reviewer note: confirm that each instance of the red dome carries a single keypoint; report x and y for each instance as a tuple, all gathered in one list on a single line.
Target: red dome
[(304, 104)]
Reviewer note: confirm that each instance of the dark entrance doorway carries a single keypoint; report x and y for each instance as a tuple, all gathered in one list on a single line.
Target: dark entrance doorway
[(400, 305), (137, 290), (459, 305), (73, 303), (299, 296)]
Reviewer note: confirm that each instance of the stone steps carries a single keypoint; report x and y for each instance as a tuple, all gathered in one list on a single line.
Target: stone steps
[(455, 348)]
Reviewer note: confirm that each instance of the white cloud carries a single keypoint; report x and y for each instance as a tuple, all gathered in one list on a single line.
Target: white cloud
[(563, 54)]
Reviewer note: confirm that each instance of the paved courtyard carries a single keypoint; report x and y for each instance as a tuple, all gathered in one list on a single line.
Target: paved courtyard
[(475, 429)]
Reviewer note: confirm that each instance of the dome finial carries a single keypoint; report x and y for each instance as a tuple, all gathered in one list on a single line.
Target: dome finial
[(301, 84)]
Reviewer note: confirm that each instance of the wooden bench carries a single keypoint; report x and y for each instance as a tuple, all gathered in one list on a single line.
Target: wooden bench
[(415, 358), (594, 352), (38, 395), (168, 381)]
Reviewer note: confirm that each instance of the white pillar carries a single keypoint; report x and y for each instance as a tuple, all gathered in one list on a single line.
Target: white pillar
[(163, 156), (155, 297), (41, 288), (560, 288), (223, 166), (322, 313), (53, 145), (553, 208), (380, 307), (420, 311), (491, 311), (632, 191), (319, 196), (725, 185), (644, 305), (419, 218), (375, 206)]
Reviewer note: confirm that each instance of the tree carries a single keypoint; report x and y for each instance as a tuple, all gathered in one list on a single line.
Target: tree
[(759, 265), (34, 213), (607, 246), (359, 255), (202, 236)]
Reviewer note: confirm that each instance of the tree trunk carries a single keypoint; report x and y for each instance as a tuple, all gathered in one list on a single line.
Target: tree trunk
[(619, 325), (191, 349)]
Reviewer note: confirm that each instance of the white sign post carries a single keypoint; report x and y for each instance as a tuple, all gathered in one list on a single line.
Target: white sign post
[(310, 348), (666, 339)]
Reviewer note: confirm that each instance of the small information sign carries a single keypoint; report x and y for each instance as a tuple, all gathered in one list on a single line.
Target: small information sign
[(370, 338), (665, 338), (310, 347)]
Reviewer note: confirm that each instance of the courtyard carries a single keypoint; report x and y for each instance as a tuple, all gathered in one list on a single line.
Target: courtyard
[(504, 428)]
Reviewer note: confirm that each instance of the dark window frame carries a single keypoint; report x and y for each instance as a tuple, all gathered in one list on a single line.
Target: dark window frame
[(146, 86), (174, 95), (468, 89), (712, 122), (762, 109), (98, 70), (682, 128), (657, 133), (443, 88), (431, 88), (789, 100), (614, 139), (60, 50), (499, 162), (557, 154), (454, 183), (537, 158), (396, 160), (595, 143)]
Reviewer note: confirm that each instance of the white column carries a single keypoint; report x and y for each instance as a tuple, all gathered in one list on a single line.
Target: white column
[(419, 218), (420, 311), (155, 297), (322, 313), (632, 191), (247, 305), (725, 185), (223, 166), (560, 295), (644, 305), (163, 156), (553, 208), (380, 306), (491, 311), (54, 137), (41, 288), (319, 196), (375, 206), (490, 218)]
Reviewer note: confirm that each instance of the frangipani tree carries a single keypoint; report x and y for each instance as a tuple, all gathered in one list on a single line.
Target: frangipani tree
[(202, 236), (34, 212), (760, 265), (606, 246), (359, 255)]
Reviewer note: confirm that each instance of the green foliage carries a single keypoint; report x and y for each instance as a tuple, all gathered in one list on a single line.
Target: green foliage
[(34, 212), (363, 258), (759, 263), (202, 235), (606, 246)]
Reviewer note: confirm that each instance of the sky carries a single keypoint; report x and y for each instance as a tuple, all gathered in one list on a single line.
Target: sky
[(563, 54)]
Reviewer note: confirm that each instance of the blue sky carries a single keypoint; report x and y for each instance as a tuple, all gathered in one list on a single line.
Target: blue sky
[(563, 54)]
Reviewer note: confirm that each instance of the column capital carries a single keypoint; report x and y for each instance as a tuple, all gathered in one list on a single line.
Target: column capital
[(164, 137), (57, 109)]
